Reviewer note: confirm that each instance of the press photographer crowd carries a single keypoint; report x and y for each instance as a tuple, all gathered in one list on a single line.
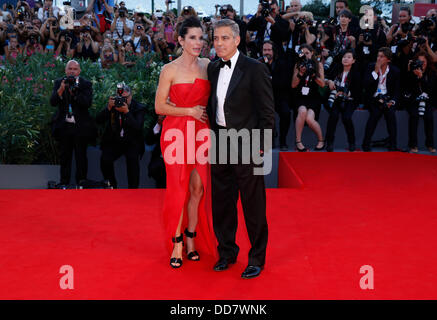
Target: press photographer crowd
[(340, 63)]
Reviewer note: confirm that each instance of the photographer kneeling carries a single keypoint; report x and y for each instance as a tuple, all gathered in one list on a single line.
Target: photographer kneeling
[(422, 84), (344, 98), (124, 119)]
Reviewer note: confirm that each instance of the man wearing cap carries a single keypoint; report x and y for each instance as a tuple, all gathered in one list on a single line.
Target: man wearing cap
[(123, 118)]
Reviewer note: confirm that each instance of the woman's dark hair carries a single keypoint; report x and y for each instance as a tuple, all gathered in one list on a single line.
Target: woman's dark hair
[(191, 22), (405, 9)]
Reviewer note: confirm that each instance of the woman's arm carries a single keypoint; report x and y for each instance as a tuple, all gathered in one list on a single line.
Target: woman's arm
[(162, 104), (320, 80)]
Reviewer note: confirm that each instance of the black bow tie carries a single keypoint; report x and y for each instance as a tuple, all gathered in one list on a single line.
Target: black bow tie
[(225, 63)]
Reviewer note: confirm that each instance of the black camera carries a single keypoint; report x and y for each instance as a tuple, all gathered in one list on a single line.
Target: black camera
[(425, 26), (206, 19), (300, 23), (187, 9), (343, 95), (33, 39), (383, 100), (407, 27), (309, 66), (119, 99), (416, 64), (420, 41), (367, 36), (265, 11), (122, 12), (422, 99)]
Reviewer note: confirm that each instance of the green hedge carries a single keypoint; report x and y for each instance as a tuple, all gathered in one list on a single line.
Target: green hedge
[(25, 111)]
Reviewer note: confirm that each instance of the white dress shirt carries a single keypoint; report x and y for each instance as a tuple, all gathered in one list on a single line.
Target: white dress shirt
[(382, 81), (224, 79)]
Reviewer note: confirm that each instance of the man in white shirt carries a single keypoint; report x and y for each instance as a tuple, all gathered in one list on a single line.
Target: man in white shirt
[(241, 99), (122, 27)]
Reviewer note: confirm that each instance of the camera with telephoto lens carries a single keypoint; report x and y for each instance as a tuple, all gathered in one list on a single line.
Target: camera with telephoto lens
[(119, 99), (223, 11), (308, 64), (20, 13), (416, 64), (342, 96), (425, 26), (265, 11), (383, 100), (300, 23), (422, 100)]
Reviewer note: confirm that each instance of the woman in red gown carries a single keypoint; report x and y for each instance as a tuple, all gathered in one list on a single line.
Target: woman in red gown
[(182, 96)]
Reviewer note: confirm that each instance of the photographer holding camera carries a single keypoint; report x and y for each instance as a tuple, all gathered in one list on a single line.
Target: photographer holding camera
[(421, 99), (400, 33), (87, 48), (65, 48), (103, 10), (122, 27), (73, 126), (48, 11), (307, 78), (123, 118), (268, 24), (382, 87), (345, 95)]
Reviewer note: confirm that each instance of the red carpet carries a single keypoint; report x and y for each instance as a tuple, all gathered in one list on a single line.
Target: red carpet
[(345, 210)]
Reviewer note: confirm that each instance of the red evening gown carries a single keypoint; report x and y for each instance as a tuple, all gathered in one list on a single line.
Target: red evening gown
[(178, 174)]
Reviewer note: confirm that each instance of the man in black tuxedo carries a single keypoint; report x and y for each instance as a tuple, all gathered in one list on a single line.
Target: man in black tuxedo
[(73, 126), (241, 98), (382, 86), (123, 136)]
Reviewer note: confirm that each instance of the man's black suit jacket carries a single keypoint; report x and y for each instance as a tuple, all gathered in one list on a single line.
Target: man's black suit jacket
[(80, 103), (133, 123), (249, 100), (393, 83)]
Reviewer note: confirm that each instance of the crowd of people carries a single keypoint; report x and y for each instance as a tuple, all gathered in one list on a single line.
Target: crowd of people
[(338, 63)]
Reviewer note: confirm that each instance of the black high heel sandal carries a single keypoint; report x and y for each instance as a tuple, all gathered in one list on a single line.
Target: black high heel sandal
[(321, 148), (192, 254), (300, 150), (177, 260)]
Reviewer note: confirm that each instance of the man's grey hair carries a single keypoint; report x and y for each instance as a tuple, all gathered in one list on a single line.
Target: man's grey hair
[(228, 23)]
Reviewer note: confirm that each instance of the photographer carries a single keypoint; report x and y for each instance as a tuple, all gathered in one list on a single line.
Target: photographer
[(87, 48), (121, 26), (103, 11), (401, 32), (307, 78), (300, 33), (280, 69), (341, 5), (268, 24), (73, 126), (48, 11), (123, 135), (228, 12), (12, 50), (108, 56), (369, 42), (164, 49), (64, 48), (32, 45), (421, 99), (345, 95), (382, 87)]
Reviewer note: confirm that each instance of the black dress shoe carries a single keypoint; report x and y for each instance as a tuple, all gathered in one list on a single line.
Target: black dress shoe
[(251, 272), (365, 148), (224, 263), (329, 147), (352, 147)]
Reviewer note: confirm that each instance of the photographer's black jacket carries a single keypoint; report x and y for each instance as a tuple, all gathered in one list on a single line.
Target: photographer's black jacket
[(393, 83), (132, 123), (353, 81), (80, 103), (427, 84), (279, 30)]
